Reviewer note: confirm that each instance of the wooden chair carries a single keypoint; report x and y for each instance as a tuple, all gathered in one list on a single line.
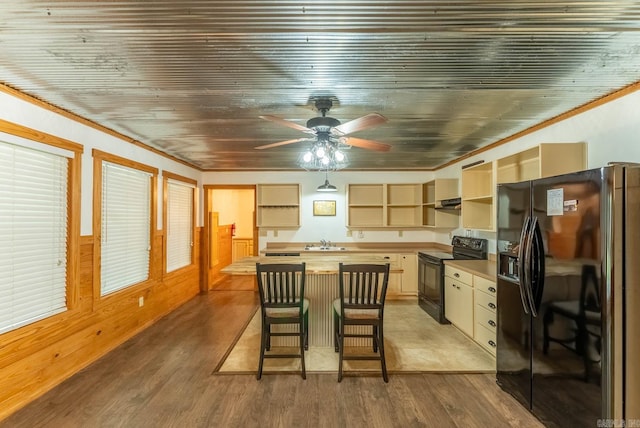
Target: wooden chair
[(281, 288), (363, 288)]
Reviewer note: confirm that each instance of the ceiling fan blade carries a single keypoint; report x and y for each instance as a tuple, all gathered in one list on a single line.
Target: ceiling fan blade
[(287, 123), (364, 122), (281, 143), (367, 144)]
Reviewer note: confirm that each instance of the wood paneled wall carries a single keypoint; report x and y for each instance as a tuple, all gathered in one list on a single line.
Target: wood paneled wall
[(37, 357)]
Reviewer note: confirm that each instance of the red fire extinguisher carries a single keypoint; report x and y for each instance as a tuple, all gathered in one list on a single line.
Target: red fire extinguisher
[(233, 229)]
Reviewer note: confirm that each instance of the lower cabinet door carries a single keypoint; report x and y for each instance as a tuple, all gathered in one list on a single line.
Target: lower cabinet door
[(458, 305), (465, 296)]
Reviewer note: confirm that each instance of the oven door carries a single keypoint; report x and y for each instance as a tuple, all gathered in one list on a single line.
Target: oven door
[(431, 287)]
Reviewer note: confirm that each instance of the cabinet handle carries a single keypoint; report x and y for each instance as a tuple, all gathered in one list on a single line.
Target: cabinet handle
[(457, 275), (492, 323), (492, 289), (492, 305), (492, 343)]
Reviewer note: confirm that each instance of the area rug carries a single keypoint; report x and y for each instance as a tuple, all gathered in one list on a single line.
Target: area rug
[(414, 342)]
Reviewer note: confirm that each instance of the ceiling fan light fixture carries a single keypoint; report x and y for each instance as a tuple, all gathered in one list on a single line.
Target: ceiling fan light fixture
[(323, 157)]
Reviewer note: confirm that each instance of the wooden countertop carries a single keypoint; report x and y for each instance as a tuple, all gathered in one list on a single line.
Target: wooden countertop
[(483, 268), (316, 264)]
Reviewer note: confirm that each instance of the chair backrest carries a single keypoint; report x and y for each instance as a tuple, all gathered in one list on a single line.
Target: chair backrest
[(281, 285), (363, 286)]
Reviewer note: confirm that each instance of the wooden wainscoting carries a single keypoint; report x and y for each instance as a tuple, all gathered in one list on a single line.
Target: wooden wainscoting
[(37, 357)]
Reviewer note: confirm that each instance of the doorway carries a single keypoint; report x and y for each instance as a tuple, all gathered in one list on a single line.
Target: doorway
[(230, 231)]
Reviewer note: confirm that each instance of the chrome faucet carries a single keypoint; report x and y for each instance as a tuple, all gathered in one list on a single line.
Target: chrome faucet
[(323, 243)]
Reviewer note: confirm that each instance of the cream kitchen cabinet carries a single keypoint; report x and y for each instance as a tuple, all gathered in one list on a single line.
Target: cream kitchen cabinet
[(402, 285), (484, 313), (409, 265), (433, 214), (458, 299), (478, 190), (543, 160), (384, 205), (278, 206)]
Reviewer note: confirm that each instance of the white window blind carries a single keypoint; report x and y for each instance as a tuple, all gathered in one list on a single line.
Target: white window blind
[(126, 227), (33, 235), (179, 224)]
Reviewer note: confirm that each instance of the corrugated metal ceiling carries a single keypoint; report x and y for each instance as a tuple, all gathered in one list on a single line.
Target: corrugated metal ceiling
[(191, 78)]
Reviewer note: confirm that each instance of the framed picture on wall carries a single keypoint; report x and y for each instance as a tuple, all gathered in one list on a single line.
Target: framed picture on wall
[(324, 207)]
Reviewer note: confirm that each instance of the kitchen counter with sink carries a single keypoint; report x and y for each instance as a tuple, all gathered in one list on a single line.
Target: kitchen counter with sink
[(350, 247)]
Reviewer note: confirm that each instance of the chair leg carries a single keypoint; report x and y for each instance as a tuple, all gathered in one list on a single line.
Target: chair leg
[(341, 350), (268, 331), (306, 330), (383, 362), (302, 346), (375, 338), (263, 344), (336, 330)]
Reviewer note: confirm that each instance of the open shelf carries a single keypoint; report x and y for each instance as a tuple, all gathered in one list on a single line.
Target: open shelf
[(385, 205), (543, 160), (478, 197), (433, 192), (278, 205)]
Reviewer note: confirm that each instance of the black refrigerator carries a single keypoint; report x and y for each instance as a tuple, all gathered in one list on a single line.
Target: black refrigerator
[(561, 263)]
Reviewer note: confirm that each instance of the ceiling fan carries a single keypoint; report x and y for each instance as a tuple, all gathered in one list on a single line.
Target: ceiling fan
[(326, 129)]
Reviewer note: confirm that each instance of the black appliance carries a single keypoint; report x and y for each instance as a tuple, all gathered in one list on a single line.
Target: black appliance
[(431, 272), (561, 254)]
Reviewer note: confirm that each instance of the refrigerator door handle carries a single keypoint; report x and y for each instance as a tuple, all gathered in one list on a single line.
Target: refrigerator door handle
[(528, 285), (521, 268), (538, 285)]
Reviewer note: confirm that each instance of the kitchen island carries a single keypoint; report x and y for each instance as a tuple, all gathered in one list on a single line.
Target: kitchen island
[(321, 288)]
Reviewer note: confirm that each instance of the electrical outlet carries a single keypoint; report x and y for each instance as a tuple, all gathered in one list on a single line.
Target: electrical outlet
[(360, 234), (349, 234), (275, 233), (400, 233), (140, 301)]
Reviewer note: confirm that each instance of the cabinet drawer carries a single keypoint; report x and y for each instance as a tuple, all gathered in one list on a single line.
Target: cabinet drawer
[(485, 300), (458, 274), (393, 260), (483, 284), (485, 318), (486, 338)]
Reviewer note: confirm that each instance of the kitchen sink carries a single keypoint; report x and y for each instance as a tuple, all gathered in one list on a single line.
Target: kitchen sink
[(307, 248)]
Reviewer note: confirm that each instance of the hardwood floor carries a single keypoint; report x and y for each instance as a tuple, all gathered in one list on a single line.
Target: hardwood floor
[(163, 378)]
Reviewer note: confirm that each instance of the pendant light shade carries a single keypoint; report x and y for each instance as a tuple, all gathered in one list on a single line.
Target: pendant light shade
[(326, 187)]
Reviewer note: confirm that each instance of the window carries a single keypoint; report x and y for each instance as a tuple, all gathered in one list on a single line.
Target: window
[(125, 223), (178, 222), (34, 216)]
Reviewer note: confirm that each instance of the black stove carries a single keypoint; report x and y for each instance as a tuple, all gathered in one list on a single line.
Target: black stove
[(431, 272)]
